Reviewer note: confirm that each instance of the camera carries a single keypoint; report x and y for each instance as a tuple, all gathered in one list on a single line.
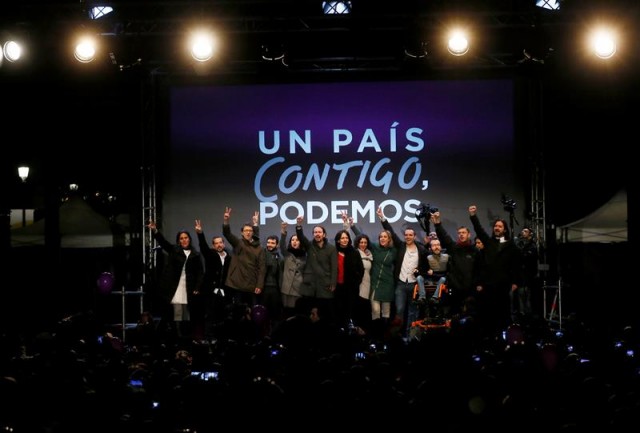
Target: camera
[(508, 204), (425, 210)]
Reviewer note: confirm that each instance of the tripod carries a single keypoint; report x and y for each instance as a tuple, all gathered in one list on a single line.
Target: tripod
[(556, 304)]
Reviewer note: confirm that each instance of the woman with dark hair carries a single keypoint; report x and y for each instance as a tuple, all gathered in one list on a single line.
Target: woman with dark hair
[(362, 314), (181, 280), (295, 258), (350, 273)]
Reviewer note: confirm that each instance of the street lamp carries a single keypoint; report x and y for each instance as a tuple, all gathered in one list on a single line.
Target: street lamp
[(23, 172)]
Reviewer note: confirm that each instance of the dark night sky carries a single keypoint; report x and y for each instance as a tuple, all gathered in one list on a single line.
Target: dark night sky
[(74, 131)]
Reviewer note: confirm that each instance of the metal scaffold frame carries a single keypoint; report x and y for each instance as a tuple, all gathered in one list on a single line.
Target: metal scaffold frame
[(538, 205), (148, 205), (148, 173), (537, 172)]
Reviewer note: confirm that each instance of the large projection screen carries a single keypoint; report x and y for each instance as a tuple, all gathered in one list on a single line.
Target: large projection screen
[(319, 149)]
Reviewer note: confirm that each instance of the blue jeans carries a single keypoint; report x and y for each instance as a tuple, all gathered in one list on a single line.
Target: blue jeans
[(404, 293), (422, 294)]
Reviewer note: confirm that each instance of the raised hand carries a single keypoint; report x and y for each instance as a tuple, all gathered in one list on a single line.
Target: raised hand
[(198, 226), (227, 214), (255, 218)]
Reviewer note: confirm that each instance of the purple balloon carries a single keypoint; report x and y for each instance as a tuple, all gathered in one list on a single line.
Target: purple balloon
[(105, 282), (259, 314)]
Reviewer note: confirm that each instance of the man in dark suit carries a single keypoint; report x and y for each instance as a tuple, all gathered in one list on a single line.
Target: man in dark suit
[(217, 295)]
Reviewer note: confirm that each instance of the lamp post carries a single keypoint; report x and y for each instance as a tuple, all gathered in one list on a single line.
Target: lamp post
[(23, 173)]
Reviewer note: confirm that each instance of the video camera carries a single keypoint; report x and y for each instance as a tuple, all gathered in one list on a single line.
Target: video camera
[(508, 204), (423, 213), (425, 210)]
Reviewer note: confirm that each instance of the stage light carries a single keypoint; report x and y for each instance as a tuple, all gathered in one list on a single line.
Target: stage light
[(416, 50), (12, 51), (85, 51), (553, 5), (531, 57), (273, 52), (97, 12), (603, 43), (336, 7), (458, 44), (202, 46)]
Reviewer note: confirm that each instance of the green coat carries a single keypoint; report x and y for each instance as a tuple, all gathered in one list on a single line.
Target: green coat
[(383, 284)]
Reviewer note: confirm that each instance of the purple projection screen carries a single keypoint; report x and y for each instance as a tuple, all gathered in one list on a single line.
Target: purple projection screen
[(318, 149)]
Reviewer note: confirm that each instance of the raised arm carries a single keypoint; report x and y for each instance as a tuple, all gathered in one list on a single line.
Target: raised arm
[(255, 220), (202, 239), (301, 237), (226, 228), (385, 224), (348, 223), (283, 238), (162, 241), (477, 227), (444, 237)]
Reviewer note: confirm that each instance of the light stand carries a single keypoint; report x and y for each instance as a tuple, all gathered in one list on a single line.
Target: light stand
[(23, 173)]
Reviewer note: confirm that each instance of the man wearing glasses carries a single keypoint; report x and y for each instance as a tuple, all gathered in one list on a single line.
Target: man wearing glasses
[(247, 270)]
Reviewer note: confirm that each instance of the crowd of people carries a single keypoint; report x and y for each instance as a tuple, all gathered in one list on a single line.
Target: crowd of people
[(79, 377), (354, 282), (333, 332)]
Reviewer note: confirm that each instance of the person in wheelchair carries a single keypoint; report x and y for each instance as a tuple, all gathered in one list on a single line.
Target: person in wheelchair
[(436, 278)]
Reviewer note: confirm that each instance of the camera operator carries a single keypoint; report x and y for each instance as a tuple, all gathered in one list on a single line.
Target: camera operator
[(521, 298)]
